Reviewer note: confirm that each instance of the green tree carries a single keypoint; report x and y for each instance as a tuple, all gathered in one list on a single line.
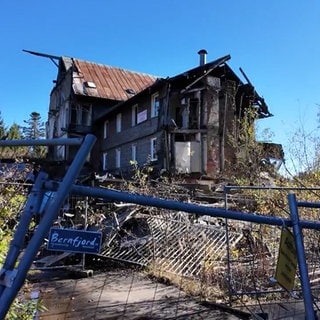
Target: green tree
[(14, 132), (12, 200), (3, 130), (34, 129)]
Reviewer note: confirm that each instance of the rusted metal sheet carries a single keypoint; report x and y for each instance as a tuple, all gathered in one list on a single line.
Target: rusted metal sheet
[(102, 81)]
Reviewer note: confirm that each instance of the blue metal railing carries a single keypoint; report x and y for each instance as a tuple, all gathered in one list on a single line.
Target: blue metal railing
[(303, 268), (11, 279)]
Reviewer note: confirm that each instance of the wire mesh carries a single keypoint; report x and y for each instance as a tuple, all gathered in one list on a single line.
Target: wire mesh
[(252, 274), (221, 258)]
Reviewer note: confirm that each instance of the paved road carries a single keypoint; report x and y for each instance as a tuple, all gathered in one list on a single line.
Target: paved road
[(129, 294), (119, 295)]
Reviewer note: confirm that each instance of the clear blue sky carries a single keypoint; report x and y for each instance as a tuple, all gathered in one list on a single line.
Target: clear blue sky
[(276, 42)]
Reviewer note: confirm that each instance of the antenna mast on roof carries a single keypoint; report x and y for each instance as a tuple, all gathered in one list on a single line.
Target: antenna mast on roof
[(51, 57)]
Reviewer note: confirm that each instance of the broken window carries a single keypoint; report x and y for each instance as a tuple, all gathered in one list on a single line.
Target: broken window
[(86, 115), (194, 119), (188, 114), (178, 117), (183, 137), (81, 115), (153, 149)]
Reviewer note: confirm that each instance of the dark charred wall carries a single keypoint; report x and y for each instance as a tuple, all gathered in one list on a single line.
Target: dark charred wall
[(228, 125), (196, 130), (211, 104)]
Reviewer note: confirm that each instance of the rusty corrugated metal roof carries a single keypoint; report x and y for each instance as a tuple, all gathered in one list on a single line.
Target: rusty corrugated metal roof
[(102, 81)]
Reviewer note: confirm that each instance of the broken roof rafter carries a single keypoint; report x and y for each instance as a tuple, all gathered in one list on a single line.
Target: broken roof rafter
[(258, 100), (44, 55), (202, 71)]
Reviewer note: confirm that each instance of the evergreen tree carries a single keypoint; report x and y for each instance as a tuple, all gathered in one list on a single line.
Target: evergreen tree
[(14, 132), (3, 130), (34, 129)]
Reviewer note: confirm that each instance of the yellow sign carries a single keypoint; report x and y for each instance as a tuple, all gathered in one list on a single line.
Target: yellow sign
[(287, 260)]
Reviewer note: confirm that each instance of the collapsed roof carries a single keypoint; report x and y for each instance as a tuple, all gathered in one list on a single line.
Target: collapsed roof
[(106, 82)]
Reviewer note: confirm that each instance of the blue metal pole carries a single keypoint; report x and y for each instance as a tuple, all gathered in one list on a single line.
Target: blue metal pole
[(115, 195), (229, 188), (303, 268), (31, 208), (308, 204), (41, 142), (50, 214)]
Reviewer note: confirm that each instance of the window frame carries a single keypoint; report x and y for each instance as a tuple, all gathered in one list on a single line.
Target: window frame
[(153, 149), (134, 115), (155, 109), (118, 122), (106, 128), (105, 161), (134, 152), (81, 114), (118, 158), (86, 115)]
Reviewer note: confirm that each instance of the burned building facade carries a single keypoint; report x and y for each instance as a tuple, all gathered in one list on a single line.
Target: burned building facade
[(186, 124)]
